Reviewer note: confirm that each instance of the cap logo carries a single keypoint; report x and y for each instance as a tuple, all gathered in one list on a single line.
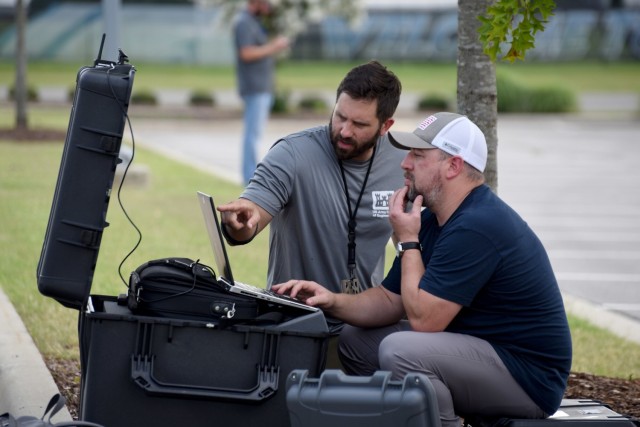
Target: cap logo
[(426, 122), (452, 147)]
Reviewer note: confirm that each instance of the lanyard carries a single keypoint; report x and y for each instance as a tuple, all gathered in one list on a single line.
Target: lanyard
[(351, 245)]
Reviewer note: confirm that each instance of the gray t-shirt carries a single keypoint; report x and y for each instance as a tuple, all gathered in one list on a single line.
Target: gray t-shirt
[(255, 76), (300, 184)]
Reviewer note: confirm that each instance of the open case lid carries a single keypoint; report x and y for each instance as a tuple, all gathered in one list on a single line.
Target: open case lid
[(87, 171)]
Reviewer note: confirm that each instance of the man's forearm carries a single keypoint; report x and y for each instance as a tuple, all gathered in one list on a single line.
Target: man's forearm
[(372, 308)]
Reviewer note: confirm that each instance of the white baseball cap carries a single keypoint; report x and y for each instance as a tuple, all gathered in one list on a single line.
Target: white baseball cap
[(452, 133)]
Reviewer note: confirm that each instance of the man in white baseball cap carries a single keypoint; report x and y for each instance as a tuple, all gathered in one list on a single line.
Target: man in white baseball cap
[(471, 300), (454, 136)]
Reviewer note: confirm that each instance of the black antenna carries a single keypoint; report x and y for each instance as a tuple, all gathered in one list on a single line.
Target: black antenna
[(99, 58)]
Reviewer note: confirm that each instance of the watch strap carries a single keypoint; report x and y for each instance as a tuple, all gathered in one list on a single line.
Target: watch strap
[(405, 246)]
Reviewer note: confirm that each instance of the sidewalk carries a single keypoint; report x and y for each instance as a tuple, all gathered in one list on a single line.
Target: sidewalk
[(26, 385), (573, 178)]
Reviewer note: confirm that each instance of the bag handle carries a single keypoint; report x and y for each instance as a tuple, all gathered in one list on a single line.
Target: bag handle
[(56, 403)]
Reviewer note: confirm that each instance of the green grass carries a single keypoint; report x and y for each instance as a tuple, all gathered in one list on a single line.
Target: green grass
[(599, 352), (424, 77)]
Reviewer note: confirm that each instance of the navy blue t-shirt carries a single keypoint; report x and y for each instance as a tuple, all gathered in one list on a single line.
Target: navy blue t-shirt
[(487, 259)]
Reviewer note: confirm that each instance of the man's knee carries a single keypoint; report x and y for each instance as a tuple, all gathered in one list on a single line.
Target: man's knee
[(388, 353), (400, 353), (394, 357)]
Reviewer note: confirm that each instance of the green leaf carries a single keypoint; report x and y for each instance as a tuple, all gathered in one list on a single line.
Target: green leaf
[(498, 26)]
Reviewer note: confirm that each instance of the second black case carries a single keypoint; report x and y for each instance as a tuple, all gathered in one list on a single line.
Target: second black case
[(338, 400)]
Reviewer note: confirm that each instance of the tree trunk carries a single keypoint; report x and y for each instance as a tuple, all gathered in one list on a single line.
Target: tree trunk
[(477, 93), (21, 67)]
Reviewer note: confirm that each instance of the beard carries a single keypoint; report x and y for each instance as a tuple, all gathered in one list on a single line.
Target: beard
[(433, 194), (430, 196), (357, 149), (411, 194)]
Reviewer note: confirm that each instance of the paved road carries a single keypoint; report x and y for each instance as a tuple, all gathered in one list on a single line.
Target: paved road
[(576, 181)]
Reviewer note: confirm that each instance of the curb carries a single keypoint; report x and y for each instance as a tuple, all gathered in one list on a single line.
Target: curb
[(618, 324)]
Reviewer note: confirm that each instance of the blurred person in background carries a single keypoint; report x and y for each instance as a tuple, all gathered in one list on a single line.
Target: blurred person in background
[(255, 69)]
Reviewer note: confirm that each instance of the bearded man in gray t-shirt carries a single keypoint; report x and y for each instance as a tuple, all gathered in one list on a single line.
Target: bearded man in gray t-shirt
[(325, 191)]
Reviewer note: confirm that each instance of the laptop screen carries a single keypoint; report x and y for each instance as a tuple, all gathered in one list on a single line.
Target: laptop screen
[(215, 236)]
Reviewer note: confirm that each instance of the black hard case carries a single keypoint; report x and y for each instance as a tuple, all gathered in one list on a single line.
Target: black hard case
[(82, 193), (150, 371), (139, 370), (572, 413), (578, 413), (338, 400)]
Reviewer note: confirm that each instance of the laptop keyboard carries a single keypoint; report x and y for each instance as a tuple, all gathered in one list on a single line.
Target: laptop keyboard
[(265, 291)]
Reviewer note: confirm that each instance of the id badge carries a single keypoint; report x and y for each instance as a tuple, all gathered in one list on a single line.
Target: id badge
[(351, 286)]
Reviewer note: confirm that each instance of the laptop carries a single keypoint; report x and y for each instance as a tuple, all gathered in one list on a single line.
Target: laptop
[(223, 267)]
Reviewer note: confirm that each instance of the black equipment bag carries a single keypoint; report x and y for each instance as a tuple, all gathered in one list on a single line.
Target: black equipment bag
[(187, 289)]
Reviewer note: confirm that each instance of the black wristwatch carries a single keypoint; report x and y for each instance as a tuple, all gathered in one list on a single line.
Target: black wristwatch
[(405, 246)]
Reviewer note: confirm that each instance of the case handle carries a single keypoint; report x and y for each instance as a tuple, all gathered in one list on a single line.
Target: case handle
[(142, 375)]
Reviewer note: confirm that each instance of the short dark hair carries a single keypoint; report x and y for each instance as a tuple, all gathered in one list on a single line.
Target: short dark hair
[(373, 81)]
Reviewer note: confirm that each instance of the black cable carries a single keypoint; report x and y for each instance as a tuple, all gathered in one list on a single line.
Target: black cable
[(124, 175)]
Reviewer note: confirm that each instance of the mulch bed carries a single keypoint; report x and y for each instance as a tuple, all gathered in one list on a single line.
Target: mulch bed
[(35, 135)]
